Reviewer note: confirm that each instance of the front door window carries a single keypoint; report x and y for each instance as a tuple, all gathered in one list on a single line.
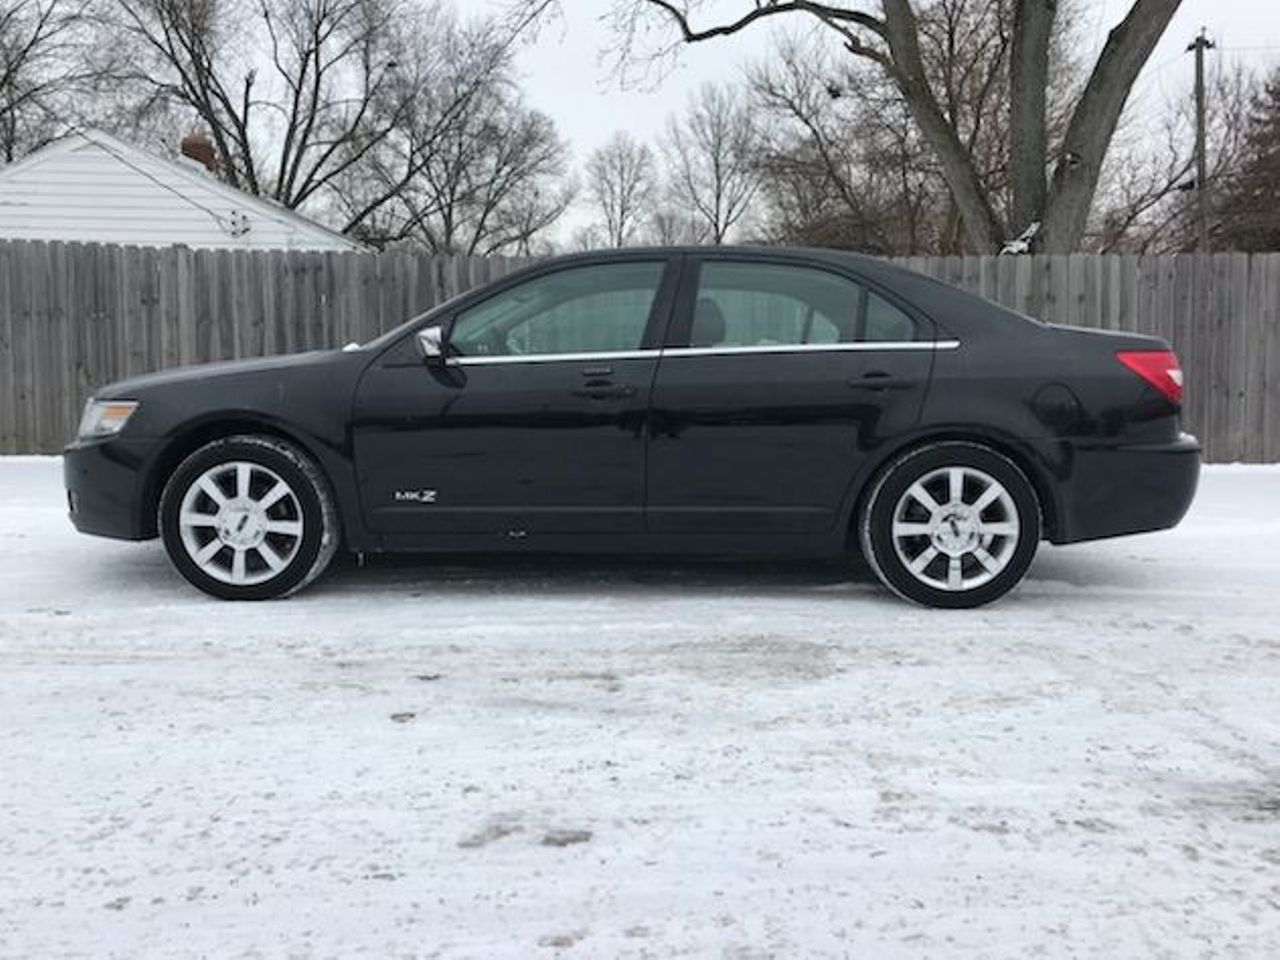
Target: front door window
[(596, 309)]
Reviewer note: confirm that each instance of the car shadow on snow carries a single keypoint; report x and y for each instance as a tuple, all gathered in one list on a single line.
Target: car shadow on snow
[(565, 575), (1054, 570)]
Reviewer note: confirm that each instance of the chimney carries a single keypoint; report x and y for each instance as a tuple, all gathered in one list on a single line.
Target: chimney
[(197, 146)]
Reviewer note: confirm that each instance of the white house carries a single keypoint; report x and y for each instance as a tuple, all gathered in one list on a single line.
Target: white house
[(91, 187)]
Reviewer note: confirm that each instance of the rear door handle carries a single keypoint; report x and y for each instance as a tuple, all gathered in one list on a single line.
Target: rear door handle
[(878, 380)]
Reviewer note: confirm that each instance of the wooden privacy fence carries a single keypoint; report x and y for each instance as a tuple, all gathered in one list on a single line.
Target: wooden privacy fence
[(1221, 313), (73, 316)]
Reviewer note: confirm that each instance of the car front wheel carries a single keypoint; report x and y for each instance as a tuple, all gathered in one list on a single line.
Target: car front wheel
[(951, 524), (248, 518)]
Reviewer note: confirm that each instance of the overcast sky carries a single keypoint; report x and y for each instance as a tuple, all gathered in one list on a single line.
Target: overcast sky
[(568, 74)]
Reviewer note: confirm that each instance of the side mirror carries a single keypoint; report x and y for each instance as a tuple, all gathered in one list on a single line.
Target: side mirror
[(431, 343)]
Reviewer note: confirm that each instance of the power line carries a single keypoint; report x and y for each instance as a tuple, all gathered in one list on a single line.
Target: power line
[(220, 220), (75, 128), (1152, 73)]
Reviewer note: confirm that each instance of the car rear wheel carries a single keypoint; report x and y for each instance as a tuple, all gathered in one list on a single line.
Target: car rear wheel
[(951, 524), (248, 518)]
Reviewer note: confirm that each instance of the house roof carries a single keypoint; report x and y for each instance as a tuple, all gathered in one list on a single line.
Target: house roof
[(39, 191)]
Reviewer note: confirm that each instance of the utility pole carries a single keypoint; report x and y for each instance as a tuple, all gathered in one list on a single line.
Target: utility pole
[(1200, 44)]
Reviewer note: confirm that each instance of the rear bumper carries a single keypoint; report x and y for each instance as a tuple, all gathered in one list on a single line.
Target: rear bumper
[(104, 481), (1111, 491)]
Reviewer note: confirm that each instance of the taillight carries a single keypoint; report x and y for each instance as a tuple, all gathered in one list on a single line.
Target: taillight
[(1158, 367)]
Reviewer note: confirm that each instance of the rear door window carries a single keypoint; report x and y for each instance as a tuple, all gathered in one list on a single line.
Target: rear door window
[(741, 304), (763, 304)]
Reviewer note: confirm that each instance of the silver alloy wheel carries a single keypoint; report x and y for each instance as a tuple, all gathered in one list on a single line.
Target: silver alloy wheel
[(240, 523), (955, 528)]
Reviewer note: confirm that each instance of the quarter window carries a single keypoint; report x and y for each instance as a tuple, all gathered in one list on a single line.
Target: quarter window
[(593, 309), (885, 322)]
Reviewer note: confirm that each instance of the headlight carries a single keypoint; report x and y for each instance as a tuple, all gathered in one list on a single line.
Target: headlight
[(105, 418)]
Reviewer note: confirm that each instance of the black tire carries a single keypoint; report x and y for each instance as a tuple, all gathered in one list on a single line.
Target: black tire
[(307, 505), (954, 527)]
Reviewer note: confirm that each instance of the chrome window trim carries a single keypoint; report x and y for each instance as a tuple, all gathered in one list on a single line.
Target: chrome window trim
[(554, 357), (862, 346), (594, 356)]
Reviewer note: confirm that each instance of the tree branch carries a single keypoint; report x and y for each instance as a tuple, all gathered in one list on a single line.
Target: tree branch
[(773, 8)]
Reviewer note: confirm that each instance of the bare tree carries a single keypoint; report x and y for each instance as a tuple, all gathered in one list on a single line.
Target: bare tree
[(1147, 204), (673, 226), (42, 65), (711, 157), (492, 179), (322, 57), (303, 96), (848, 165), (1248, 203), (530, 213), (1052, 189), (1061, 203), (589, 236), (622, 182), (842, 162)]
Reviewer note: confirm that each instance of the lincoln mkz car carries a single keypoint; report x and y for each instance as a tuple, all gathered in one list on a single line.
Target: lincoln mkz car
[(664, 402)]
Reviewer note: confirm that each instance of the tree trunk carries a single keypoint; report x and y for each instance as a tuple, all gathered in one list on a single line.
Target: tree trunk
[(1093, 123), (1028, 83), (982, 228)]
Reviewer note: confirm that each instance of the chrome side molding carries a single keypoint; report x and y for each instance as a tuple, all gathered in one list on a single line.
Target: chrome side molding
[(863, 347)]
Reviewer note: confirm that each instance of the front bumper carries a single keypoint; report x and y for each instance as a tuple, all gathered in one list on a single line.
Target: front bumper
[(1115, 490), (105, 481)]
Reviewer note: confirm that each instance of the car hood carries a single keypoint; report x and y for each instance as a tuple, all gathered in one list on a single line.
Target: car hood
[(134, 387)]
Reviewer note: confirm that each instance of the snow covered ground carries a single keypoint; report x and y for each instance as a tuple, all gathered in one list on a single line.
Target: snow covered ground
[(630, 760)]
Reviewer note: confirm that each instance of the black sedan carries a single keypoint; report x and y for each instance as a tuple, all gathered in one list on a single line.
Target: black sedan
[(671, 401)]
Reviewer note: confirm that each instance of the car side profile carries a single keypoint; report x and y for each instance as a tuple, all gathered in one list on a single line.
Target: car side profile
[(691, 401)]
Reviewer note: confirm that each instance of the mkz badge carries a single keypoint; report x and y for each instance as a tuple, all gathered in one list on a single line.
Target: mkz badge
[(416, 496)]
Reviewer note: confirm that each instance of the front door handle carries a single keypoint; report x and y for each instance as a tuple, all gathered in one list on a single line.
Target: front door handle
[(878, 380), (605, 391)]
